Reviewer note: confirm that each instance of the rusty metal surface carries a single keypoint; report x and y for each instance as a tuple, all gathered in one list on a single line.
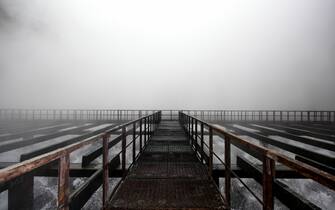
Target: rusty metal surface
[(153, 157), (180, 148), (154, 148), (145, 170), (189, 170), (182, 157), (167, 194), (177, 142), (150, 170)]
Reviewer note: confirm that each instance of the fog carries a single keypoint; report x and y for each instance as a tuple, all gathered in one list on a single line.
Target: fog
[(177, 54)]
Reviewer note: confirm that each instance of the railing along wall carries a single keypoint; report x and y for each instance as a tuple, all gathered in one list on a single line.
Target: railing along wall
[(146, 126), (196, 128)]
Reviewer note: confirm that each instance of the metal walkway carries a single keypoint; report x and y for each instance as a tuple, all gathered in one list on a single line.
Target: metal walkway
[(168, 175)]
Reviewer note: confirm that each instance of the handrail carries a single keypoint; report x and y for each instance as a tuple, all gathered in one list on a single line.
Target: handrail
[(267, 156), (148, 123)]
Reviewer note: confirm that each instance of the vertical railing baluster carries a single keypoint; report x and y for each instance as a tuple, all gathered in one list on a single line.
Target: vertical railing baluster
[(145, 131), (134, 141), (268, 179), (105, 168), (63, 182), (124, 142), (189, 128), (210, 165), (196, 136), (273, 116), (227, 170), (192, 131), (267, 116), (202, 143), (141, 135), (151, 128)]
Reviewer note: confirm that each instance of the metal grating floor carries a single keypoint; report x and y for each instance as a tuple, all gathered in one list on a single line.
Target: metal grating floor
[(167, 194), (167, 175)]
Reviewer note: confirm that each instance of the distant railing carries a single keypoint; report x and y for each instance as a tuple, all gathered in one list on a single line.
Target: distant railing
[(208, 115), (263, 115), (73, 114), (195, 129), (146, 126)]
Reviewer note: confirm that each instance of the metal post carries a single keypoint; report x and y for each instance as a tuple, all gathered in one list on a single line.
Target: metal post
[(151, 128), (301, 116), (105, 163), (134, 142), (189, 127), (227, 170), (273, 116), (145, 131), (268, 179), (202, 142), (141, 135), (196, 136), (267, 116), (210, 165), (192, 131), (63, 183), (124, 142)]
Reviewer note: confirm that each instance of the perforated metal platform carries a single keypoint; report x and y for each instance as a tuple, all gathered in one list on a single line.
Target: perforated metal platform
[(167, 194), (167, 175)]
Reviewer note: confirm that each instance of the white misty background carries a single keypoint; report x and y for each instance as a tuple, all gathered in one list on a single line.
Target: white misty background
[(233, 54)]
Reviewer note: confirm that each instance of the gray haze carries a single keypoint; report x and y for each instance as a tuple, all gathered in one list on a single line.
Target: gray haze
[(177, 54)]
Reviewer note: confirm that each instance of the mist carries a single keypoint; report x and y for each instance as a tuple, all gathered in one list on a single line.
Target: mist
[(183, 54)]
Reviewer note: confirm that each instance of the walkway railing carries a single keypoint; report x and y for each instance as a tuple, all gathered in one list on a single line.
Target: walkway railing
[(146, 126), (196, 128)]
